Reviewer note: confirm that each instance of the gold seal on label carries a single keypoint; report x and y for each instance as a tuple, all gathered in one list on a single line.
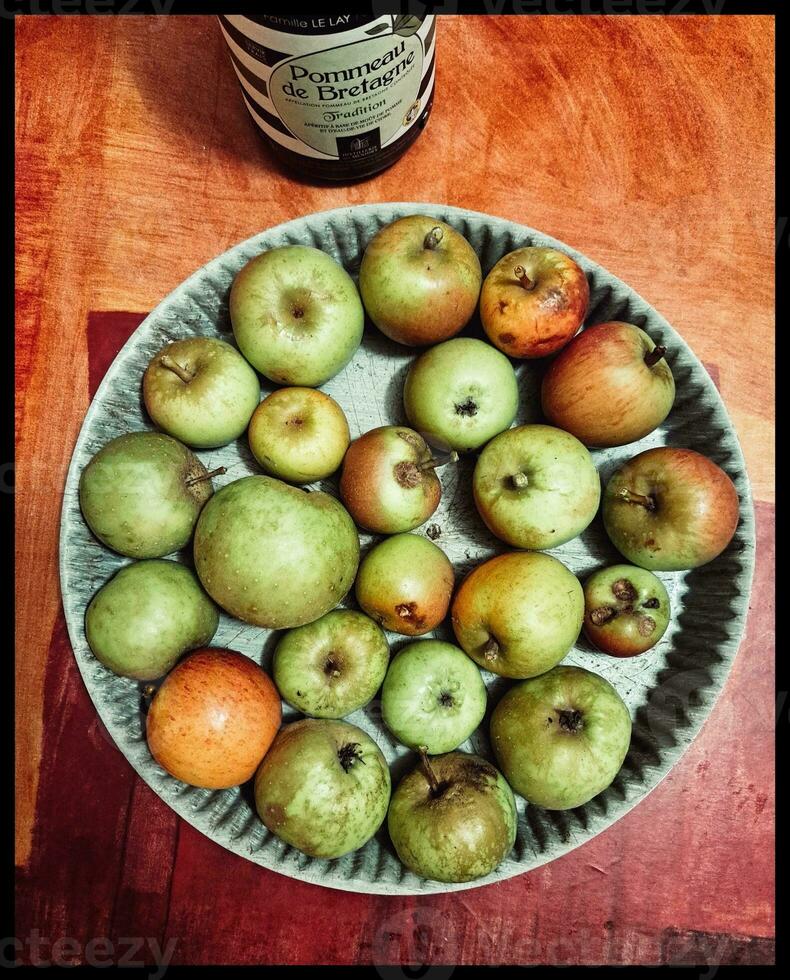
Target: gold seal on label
[(411, 115)]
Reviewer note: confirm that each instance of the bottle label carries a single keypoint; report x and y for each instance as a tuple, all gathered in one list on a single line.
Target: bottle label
[(338, 87)]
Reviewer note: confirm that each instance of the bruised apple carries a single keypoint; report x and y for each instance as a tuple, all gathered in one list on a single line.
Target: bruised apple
[(610, 386), (213, 718), (626, 610)]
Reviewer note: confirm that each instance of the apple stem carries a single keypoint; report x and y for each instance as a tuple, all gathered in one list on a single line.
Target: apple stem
[(491, 650), (432, 239), (523, 278), (167, 362), (441, 460), (148, 692), (654, 356), (219, 471), (636, 498), (430, 775), (519, 481)]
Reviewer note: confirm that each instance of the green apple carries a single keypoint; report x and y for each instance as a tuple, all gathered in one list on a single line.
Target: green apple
[(149, 613), (296, 315), (389, 483), (299, 434), (419, 280), (452, 818), (536, 487), (561, 738), (433, 696), (626, 610), (141, 494), (332, 666), (273, 555), (323, 787), (405, 583), (518, 614), (201, 391), (461, 393)]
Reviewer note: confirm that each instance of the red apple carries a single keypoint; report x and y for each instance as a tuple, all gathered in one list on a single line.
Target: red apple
[(533, 301), (609, 386), (213, 719), (669, 509)]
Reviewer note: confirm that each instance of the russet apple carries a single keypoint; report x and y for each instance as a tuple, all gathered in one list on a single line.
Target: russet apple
[(201, 391), (561, 738), (299, 434), (533, 301), (536, 486), (670, 509), (419, 280), (452, 818), (273, 555), (405, 583), (213, 718), (461, 393), (626, 610), (518, 614), (296, 315), (388, 482), (610, 386)]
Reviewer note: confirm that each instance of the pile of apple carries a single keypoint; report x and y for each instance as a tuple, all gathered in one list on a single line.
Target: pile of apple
[(277, 556)]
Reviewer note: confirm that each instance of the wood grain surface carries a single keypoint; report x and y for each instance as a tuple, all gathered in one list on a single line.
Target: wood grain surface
[(636, 140)]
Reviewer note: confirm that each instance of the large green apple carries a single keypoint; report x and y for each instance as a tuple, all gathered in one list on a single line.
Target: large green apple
[(452, 818), (141, 494), (202, 391), (323, 787), (561, 738), (273, 555), (433, 696), (333, 666), (461, 393), (149, 613), (296, 315), (419, 280), (518, 614), (669, 509), (536, 487)]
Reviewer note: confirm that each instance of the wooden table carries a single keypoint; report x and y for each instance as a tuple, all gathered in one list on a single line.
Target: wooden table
[(639, 141)]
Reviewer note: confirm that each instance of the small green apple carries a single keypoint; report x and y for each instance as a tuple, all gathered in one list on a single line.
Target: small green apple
[(626, 610), (201, 391), (332, 666), (461, 393)]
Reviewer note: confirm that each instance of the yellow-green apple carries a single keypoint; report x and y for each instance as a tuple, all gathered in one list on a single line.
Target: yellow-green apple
[(433, 696), (610, 386), (150, 612), (332, 666), (626, 610), (388, 481), (201, 390), (296, 315), (533, 301), (213, 718), (518, 614), (561, 738), (273, 555), (405, 583), (299, 434), (419, 280), (142, 492), (536, 486), (452, 818), (461, 393), (669, 509), (323, 787)]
